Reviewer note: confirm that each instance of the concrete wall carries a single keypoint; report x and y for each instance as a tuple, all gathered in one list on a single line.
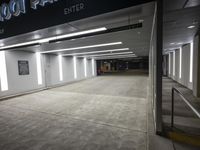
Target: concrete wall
[(19, 84), (89, 68), (177, 64), (171, 61), (152, 92), (185, 69), (185, 66)]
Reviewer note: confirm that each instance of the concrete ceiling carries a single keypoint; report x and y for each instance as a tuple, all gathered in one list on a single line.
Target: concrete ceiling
[(137, 40), (178, 15)]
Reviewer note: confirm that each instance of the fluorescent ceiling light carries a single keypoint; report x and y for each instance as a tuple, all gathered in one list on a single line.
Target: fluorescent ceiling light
[(191, 27), (83, 47), (56, 38), (141, 20), (20, 44), (111, 54), (94, 52), (81, 33), (180, 43), (116, 56), (172, 43)]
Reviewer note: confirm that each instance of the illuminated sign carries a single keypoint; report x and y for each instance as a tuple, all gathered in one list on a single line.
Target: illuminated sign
[(24, 16), (16, 7), (34, 3), (13, 8)]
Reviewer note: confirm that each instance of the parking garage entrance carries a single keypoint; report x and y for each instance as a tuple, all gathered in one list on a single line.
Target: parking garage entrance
[(78, 74)]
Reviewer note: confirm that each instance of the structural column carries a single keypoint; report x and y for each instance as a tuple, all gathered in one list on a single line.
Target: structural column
[(159, 48), (196, 70)]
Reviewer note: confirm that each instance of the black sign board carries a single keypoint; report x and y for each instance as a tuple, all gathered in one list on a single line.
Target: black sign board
[(53, 12), (23, 67)]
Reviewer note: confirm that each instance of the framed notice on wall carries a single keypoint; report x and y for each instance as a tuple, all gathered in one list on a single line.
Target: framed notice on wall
[(23, 67)]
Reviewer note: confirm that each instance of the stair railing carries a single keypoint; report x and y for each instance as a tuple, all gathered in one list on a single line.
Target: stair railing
[(185, 100)]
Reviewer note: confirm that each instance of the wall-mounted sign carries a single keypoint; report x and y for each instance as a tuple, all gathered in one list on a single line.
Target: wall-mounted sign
[(23, 16), (23, 67)]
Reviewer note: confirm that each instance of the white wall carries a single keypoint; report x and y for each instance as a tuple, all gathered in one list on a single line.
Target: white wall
[(68, 69), (19, 84), (52, 70), (89, 67), (80, 68), (185, 69)]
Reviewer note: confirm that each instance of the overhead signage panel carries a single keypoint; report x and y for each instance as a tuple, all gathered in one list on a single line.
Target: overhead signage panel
[(23, 16)]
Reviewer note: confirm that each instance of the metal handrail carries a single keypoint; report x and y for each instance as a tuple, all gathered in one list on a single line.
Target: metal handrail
[(185, 100)]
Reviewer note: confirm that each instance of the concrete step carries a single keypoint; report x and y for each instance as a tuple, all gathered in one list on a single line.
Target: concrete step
[(193, 140), (187, 125), (186, 130)]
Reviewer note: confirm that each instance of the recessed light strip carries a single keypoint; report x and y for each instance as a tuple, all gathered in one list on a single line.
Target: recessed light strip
[(93, 65), (55, 38), (191, 27), (82, 47), (191, 61), (39, 68), (94, 52), (3, 72), (117, 56), (125, 55), (81, 33), (180, 63), (60, 67), (85, 66), (75, 67), (111, 54)]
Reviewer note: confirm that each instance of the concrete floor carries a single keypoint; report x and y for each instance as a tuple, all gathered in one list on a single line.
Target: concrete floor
[(103, 113)]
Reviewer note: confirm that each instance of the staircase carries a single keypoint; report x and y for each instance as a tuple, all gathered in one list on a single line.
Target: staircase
[(186, 124)]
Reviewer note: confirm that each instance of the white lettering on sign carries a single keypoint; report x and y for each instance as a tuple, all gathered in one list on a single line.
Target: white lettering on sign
[(74, 8), (34, 3), (16, 7)]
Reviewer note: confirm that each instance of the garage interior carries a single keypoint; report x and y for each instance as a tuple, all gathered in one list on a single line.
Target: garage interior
[(54, 97), (104, 82)]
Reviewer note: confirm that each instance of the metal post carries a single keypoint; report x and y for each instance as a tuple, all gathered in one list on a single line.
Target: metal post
[(172, 110)]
